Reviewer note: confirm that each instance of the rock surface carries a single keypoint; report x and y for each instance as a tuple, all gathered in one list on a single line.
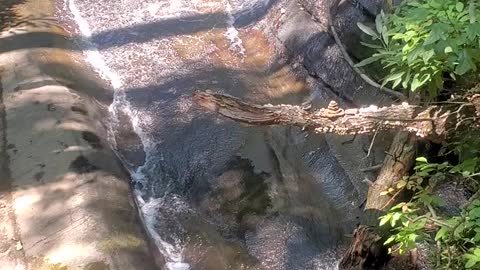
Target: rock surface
[(301, 32), (65, 202)]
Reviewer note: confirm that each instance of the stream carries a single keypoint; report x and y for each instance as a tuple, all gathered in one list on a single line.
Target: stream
[(214, 194)]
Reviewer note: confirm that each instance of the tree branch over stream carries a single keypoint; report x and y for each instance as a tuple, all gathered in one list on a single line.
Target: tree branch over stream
[(432, 122)]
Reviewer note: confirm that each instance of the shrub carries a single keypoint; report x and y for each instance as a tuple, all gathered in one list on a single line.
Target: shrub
[(422, 41)]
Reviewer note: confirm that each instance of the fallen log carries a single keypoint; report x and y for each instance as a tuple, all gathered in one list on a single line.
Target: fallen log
[(431, 122)]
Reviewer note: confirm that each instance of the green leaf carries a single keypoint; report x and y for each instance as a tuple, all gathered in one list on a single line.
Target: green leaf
[(439, 31), (400, 205), (367, 30), (396, 82), (379, 23), (385, 219), (465, 63), (435, 4), (473, 31), (474, 213), (415, 54), (468, 165), (452, 75), (385, 34), (389, 240), (425, 78), (441, 233), (406, 80), (427, 55), (395, 217), (412, 238), (421, 159), (367, 61), (471, 12), (394, 76), (458, 230), (415, 83), (398, 36), (459, 6), (462, 17), (471, 262)]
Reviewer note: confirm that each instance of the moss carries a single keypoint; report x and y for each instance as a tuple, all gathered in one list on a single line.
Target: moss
[(56, 266), (124, 241), (40, 263), (100, 265)]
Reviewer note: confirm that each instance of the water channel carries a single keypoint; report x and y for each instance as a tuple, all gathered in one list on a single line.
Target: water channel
[(214, 194)]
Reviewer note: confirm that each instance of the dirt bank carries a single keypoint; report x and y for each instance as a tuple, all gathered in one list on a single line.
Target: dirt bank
[(64, 199)]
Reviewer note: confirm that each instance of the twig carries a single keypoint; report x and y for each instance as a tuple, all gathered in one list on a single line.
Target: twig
[(432, 119), (349, 60), (432, 211), (439, 248), (434, 220), (447, 102), (373, 140), (391, 199), (372, 168), (475, 196), (463, 120), (449, 257)]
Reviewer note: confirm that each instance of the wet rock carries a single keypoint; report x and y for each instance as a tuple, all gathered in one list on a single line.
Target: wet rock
[(425, 252), (92, 139), (79, 109), (51, 107), (454, 196), (82, 165), (100, 265), (280, 243), (38, 176), (311, 41)]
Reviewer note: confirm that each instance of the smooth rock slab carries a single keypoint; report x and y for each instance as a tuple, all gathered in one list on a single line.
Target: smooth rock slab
[(64, 200)]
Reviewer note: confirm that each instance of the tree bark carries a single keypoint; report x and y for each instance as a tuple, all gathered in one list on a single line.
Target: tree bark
[(367, 250), (431, 122)]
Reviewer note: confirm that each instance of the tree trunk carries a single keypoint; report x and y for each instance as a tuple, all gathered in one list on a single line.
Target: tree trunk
[(367, 250)]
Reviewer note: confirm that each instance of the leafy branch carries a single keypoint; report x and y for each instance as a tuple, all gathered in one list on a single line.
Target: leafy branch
[(424, 40)]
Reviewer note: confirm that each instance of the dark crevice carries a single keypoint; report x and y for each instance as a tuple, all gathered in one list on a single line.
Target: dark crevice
[(82, 165)]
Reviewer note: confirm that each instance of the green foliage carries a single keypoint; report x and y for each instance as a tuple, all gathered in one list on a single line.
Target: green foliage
[(467, 147), (419, 44), (457, 238), (472, 258), (423, 40)]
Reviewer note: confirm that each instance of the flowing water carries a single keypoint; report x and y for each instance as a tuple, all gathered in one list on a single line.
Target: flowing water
[(214, 194)]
